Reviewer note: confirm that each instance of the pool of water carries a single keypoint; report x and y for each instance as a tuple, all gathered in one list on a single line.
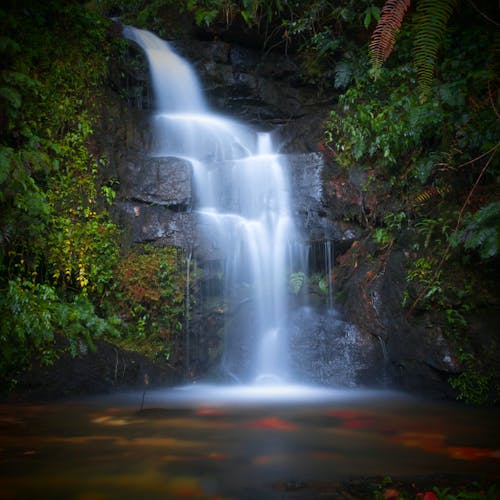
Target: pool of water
[(204, 441)]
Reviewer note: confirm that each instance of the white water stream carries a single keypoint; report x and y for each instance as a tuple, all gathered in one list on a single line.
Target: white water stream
[(242, 197)]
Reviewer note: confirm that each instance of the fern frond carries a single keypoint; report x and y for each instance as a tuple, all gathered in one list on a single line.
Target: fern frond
[(430, 193), (384, 35), (430, 26)]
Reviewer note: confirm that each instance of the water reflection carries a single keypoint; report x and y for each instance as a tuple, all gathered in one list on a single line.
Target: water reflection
[(235, 442)]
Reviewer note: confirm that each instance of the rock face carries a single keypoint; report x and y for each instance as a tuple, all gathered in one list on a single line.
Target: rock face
[(327, 350), (158, 181), (365, 339), (154, 200)]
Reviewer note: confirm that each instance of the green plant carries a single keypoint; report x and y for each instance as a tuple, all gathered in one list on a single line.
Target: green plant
[(151, 288), (295, 282), (422, 273), (393, 223), (431, 21), (57, 244), (384, 34), (476, 383), (382, 236), (482, 232), (430, 25), (474, 492), (436, 231), (32, 315)]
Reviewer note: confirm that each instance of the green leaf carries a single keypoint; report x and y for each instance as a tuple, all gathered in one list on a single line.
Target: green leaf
[(8, 44), (343, 74), (5, 160), (483, 232), (368, 18), (11, 96)]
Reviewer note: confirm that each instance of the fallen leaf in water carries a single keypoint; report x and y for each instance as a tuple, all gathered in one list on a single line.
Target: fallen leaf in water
[(216, 456), (186, 487), (469, 453), (358, 423), (263, 460), (273, 423), (209, 411), (347, 414), (428, 495), (428, 441), (109, 420), (391, 493)]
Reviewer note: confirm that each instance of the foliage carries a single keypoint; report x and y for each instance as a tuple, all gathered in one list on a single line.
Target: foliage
[(476, 383), (253, 12), (446, 494), (430, 25), (57, 244), (390, 488), (482, 232), (317, 28), (431, 20), (82, 248), (393, 223), (380, 125), (384, 124), (384, 34), (323, 32), (32, 314), (435, 230), (151, 283)]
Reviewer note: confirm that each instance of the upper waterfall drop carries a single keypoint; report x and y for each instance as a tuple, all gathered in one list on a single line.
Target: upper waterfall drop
[(181, 93), (243, 208)]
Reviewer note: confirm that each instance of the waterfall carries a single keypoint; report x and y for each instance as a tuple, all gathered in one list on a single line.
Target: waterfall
[(242, 202), (329, 272)]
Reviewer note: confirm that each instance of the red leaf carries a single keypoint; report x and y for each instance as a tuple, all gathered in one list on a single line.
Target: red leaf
[(391, 493), (429, 495), (273, 423), (384, 35), (468, 453)]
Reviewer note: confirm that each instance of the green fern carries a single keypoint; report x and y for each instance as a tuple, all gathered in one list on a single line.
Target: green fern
[(295, 282), (483, 232), (430, 26)]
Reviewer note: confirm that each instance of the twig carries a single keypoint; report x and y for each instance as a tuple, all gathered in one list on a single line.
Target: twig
[(490, 97), (483, 14)]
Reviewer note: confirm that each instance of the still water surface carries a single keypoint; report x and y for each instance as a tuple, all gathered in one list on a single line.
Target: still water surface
[(236, 442)]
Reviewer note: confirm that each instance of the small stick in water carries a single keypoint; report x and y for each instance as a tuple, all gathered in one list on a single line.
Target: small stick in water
[(146, 383)]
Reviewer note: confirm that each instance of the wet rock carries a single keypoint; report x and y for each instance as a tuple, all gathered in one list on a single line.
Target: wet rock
[(145, 223), (156, 180), (102, 369), (325, 349)]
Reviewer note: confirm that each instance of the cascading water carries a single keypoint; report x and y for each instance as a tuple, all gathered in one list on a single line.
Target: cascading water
[(243, 204)]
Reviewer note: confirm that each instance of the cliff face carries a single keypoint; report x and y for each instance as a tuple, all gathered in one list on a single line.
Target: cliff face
[(368, 340)]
